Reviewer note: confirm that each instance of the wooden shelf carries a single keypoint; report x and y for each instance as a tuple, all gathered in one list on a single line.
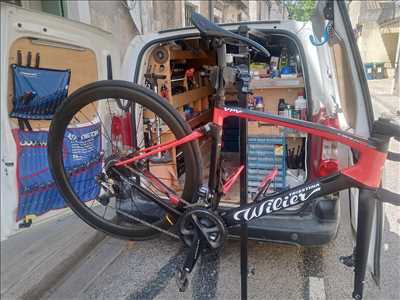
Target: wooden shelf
[(190, 96), (187, 54), (256, 128), (295, 135), (200, 119), (276, 83)]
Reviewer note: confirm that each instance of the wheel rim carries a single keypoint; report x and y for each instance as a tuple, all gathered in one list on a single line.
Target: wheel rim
[(86, 122)]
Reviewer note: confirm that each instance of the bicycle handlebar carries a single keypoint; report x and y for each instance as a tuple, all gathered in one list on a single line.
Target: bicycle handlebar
[(387, 127), (210, 29)]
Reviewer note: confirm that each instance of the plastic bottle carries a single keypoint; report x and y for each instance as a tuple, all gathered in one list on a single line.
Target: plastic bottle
[(300, 104), (259, 103), (289, 109), (284, 58), (251, 102), (282, 108)]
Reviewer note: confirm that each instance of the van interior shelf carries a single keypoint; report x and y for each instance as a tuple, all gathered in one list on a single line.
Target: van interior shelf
[(277, 83), (191, 96), (188, 54)]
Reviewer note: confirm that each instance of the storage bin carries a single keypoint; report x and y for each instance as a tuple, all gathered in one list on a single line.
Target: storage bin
[(263, 155)]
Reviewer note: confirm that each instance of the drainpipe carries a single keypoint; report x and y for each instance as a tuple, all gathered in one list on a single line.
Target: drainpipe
[(211, 10)]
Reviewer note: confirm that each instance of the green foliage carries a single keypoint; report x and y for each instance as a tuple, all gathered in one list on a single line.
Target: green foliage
[(300, 10)]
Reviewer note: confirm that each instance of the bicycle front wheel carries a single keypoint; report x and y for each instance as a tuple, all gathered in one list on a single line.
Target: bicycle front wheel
[(104, 122)]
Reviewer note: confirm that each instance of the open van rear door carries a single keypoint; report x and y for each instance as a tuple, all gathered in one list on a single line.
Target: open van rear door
[(35, 38), (354, 99)]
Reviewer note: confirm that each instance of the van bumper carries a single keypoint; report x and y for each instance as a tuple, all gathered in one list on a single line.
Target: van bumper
[(314, 226)]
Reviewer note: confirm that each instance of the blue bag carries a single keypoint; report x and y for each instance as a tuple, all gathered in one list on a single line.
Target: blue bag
[(36, 188), (38, 92)]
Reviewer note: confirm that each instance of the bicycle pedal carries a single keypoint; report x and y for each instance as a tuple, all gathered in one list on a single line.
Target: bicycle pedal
[(348, 261), (182, 280)]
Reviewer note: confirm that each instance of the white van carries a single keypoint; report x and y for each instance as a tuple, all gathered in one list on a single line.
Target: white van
[(329, 76)]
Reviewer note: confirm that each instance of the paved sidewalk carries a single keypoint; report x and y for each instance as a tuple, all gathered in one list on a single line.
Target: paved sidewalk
[(383, 100), (34, 260)]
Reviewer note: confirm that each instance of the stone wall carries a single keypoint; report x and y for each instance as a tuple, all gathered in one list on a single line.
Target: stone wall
[(167, 14), (114, 17)]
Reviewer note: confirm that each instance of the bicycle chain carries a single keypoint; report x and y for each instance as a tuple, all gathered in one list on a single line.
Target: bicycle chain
[(149, 224), (187, 205)]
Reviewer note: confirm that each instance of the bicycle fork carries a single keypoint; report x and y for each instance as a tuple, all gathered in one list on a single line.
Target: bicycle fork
[(366, 209)]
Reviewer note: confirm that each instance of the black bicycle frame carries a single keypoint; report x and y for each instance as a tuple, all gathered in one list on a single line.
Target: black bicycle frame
[(300, 194), (365, 174), (288, 198)]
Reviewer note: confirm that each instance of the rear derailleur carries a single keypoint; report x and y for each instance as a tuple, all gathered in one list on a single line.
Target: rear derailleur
[(201, 230)]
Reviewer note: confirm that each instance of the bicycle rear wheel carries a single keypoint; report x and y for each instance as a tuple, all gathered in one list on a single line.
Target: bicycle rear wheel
[(92, 130)]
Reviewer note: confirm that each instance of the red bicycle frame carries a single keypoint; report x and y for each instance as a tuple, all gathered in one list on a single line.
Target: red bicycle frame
[(370, 158)]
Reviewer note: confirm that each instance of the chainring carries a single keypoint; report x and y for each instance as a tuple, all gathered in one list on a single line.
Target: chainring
[(204, 222)]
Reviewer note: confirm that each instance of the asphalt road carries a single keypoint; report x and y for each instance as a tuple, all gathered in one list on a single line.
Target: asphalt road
[(145, 270)]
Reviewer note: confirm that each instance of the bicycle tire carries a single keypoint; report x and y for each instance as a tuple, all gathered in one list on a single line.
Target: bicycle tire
[(119, 90)]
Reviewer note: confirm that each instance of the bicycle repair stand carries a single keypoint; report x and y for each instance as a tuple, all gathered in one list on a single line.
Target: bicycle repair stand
[(243, 85)]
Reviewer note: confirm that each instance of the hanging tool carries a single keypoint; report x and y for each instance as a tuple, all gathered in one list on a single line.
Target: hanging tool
[(22, 123), (29, 59), (37, 60), (302, 156), (325, 36), (326, 14), (297, 159), (19, 58)]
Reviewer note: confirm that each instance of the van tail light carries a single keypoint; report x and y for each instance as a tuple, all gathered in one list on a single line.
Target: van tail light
[(329, 163)]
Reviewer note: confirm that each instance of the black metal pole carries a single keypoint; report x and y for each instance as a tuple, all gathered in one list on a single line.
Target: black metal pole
[(243, 201), (242, 96)]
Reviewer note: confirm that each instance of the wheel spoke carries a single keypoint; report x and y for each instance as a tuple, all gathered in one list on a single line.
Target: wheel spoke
[(129, 204)]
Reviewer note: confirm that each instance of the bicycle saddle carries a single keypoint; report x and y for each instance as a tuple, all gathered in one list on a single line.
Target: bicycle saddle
[(209, 29)]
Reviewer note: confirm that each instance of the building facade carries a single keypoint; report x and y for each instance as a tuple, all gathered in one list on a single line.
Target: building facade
[(376, 25), (126, 19)]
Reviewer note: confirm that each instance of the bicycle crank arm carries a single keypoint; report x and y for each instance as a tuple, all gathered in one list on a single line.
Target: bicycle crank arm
[(191, 258), (201, 230)]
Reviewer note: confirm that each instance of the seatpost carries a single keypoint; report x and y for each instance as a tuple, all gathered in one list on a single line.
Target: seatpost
[(216, 133)]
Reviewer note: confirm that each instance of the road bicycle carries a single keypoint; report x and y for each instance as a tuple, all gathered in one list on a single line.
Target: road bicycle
[(137, 198)]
